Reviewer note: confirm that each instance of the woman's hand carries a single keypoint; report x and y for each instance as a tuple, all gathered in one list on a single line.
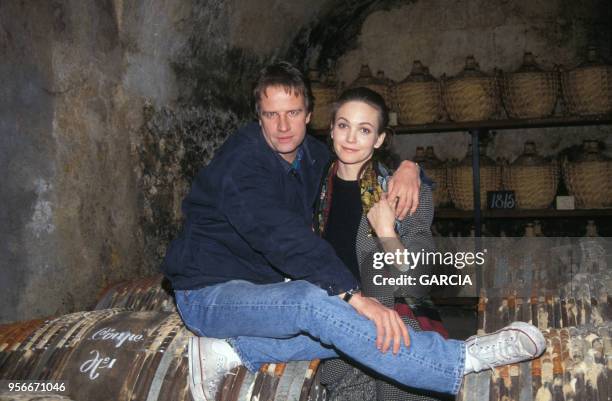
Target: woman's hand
[(389, 325), (382, 218), (405, 185)]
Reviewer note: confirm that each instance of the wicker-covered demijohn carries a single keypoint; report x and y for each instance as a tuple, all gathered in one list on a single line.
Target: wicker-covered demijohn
[(379, 84), (436, 169), (324, 93), (589, 178), (587, 89), (460, 180), (533, 179), (471, 95), (530, 92), (419, 97)]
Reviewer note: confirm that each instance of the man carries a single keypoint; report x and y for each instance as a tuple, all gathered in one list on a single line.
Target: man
[(249, 228)]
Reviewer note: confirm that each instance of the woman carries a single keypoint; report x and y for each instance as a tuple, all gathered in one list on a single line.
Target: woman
[(356, 217)]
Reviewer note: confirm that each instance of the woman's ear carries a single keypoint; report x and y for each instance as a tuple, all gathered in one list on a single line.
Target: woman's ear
[(380, 140)]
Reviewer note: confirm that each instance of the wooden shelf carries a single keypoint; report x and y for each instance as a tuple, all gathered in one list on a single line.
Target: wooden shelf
[(521, 213), (497, 124)]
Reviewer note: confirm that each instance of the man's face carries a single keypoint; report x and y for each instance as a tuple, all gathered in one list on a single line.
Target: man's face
[(283, 118)]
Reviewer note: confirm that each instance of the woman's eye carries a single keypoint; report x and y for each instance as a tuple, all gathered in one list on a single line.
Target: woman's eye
[(342, 125), (365, 131)]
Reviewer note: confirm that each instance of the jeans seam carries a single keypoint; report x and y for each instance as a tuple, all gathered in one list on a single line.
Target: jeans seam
[(460, 368)]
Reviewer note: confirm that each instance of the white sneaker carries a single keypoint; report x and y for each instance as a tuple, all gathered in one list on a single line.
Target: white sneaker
[(210, 359), (514, 343)]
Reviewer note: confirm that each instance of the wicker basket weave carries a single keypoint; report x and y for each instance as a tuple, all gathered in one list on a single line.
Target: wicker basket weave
[(589, 178), (533, 179), (530, 92), (587, 89), (379, 84), (437, 171), (418, 97), (471, 95), (324, 94), (460, 182)]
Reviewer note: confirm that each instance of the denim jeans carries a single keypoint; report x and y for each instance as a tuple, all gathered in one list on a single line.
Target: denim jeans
[(297, 320)]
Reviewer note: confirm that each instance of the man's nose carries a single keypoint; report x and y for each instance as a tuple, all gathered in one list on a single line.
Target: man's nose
[(283, 123)]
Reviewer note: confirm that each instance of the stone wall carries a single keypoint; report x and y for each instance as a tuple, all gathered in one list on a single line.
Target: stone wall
[(72, 209)]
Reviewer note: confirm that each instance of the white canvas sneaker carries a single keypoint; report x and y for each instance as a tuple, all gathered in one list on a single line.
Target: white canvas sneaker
[(516, 342), (210, 359)]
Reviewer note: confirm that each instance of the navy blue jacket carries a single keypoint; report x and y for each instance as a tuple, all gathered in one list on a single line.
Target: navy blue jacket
[(249, 216)]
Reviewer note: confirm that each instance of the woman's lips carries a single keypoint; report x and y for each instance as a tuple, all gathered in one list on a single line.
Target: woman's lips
[(349, 150)]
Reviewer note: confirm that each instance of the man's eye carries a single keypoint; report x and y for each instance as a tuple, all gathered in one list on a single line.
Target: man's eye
[(294, 113), (269, 114)]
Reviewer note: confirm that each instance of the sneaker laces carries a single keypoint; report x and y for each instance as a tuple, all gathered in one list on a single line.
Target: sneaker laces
[(473, 350), (507, 347)]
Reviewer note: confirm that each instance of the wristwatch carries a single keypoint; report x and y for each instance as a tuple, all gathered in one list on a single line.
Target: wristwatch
[(349, 294)]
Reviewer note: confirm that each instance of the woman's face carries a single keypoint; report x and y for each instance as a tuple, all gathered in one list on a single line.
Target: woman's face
[(355, 132)]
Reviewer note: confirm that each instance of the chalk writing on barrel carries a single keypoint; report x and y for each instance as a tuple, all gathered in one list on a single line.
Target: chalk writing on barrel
[(119, 337), (92, 365)]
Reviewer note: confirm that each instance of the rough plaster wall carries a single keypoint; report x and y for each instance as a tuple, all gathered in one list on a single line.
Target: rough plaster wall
[(153, 33), (442, 33), (72, 208), (26, 149), (78, 74), (250, 23)]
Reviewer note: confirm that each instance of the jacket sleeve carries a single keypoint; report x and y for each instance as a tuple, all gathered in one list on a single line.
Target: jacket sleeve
[(253, 204), (415, 235)]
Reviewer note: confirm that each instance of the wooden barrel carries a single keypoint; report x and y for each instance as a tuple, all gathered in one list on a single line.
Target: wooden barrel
[(544, 312), (145, 294), (275, 382), (105, 354), (125, 355), (577, 365)]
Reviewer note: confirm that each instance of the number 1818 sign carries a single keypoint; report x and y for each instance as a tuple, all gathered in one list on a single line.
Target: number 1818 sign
[(501, 200)]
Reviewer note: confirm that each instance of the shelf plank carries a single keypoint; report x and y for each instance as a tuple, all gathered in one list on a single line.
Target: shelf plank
[(566, 121), (456, 214)]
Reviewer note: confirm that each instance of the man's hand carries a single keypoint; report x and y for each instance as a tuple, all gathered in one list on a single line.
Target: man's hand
[(389, 325), (404, 186)]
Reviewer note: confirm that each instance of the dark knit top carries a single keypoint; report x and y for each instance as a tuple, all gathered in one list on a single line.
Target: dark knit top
[(343, 222)]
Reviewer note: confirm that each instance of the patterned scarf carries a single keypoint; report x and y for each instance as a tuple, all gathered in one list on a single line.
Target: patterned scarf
[(372, 183)]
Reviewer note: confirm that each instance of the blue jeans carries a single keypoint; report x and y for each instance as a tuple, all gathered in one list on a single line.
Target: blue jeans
[(297, 320)]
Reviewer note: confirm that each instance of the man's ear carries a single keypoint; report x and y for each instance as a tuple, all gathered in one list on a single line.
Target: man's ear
[(380, 140), (308, 117)]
